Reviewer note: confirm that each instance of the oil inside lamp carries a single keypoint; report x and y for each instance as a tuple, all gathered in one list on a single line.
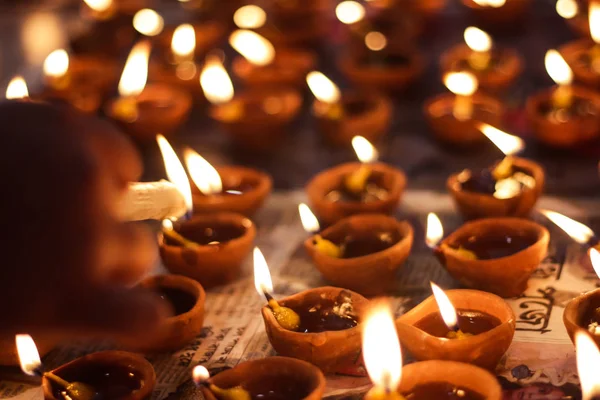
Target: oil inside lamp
[(148, 22), (588, 358), (562, 75), (594, 19), (133, 81), (200, 376), (490, 3), (567, 8), (310, 223), (249, 17), (448, 313), (56, 66), (463, 85), (17, 89), (579, 232), (480, 43), (349, 12), (327, 93), (255, 48)]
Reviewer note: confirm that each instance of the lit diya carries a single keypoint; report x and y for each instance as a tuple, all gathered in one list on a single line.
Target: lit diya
[(565, 115), (362, 253), (143, 110), (453, 117), (103, 375), (319, 325), (458, 325), (272, 378), (261, 66), (588, 356), (509, 188), (356, 188), (255, 119), (497, 255), (498, 13), (418, 381), (17, 89), (340, 116), (495, 68)]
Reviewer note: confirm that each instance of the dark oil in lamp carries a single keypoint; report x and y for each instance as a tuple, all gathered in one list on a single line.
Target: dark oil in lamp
[(180, 301), (327, 315), (494, 245), (362, 245), (212, 234), (470, 322)]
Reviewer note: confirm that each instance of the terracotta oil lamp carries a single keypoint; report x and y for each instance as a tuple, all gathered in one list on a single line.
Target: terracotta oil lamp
[(356, 188), (588, 356), (207, 35), (362, 253), (262, 66), (340, 116), (565, 115), (453, 117), (583, 314), (497, 255), (425, 380), (459, 325), (256, 120), (144, 110), (17, 89), (276, 378), (509, 188), (320, 326), (500, 14), (496, 69), (236, 189)]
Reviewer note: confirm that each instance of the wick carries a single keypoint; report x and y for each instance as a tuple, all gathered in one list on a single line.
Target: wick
[(268, 296), (57, 379)]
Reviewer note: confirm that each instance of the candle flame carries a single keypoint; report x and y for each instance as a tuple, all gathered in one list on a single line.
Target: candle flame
[(349, 12), (576, 230), (588, 358), (507, 143), (99, 5), (461, 83), (56, 64), (567, 8), (557, 68), (200, 374), (477, 40), (490, 3), (29, 358), (167, 224), (262, 275), (17, 89), (322, 87), (446, 308), (175, 171), (215, 82), (435, 230), (183, 42), (254, 47), (310, 223), (249, 17), (594, 18), (375, 41), (595, 260), (364, 150), (205, 176), (135, 74), (381, 349), (148, 22)]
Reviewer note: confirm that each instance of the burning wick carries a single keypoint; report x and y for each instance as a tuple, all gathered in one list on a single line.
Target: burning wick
[(562, 75), (463, 85), (286, 317), (327, 93), (579, 232), (480, 43), (310, 223), (200, 376), (356, 182), (133, 81), (167, 229), (448, 313)]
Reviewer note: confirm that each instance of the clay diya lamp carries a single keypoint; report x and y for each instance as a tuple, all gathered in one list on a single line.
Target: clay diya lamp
[(496, 69), (563, 116), (320, 326), (497, 255), (362, 253), (367, 187), (498, 13), (256, 120), (510, 187), (145, 110), (277, 378), (340, 116), (583, 56), (236, 189), (262, 66), (207, 34), (453, 117), (459, 325), (208, 248)]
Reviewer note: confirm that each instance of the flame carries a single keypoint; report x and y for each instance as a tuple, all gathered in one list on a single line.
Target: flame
[(148, 22), (99, 5), (135, 74), (56, 64), (349, 12), (252, 46), (461, 83), (364, 150), (588, 358), (375, 41), (310, 223), (594, 18), (381, 348), (435, 230), (507, 143), (249, 17), (29, 357), (567, 8), (322, 87), (183, 43), (446, 308), (175, 171), (17, 89), (557, 68), (200, 374), (578, 231), (262, 275), (477, 40), (595, 259), (490, 3), (167, 224), (205, 176), (215, 82)]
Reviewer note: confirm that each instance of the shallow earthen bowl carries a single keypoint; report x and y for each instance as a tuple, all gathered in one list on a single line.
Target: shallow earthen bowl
[(575, 311), (208, 35)]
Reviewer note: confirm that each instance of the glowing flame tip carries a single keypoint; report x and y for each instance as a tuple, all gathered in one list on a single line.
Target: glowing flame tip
[(262, 276), (364, 150), (588, 358), (175, 171), (507, 143), (29, 358), (447, 310), (309, 220)]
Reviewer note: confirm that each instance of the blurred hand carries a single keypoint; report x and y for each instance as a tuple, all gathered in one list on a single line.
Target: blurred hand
[(67, 260)]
